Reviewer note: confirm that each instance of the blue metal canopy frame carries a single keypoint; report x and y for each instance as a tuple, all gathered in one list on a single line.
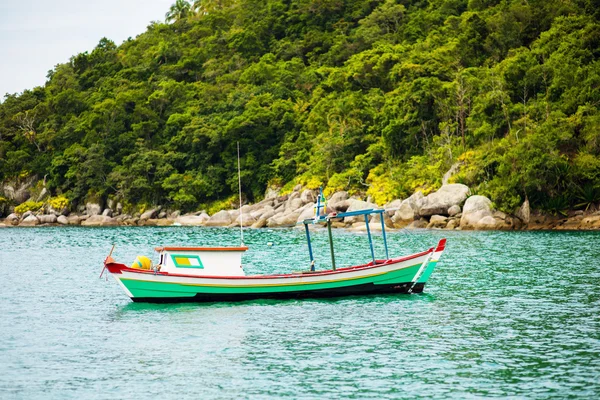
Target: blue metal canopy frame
[(327, 219)]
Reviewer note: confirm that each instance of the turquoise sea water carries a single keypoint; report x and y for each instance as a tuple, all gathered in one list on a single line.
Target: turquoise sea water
[(505, 315)]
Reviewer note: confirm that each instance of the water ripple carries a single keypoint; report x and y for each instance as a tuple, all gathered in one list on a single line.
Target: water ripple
[(505, 315)]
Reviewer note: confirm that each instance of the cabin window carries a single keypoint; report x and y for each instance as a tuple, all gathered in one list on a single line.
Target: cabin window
[(187, 261)]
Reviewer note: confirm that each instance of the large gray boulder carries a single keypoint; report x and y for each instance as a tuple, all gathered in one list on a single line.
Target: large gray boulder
[(392, 207), (452, 211), (155, 222), (192, 220), (22, 194), (279, 208), (233, 214), (308, 196), (283, 220), (100, 220), (387, 220), (408, 210), (260, 223), (272, 192), (150, 214), (62, 220), (488, 223), (222, 218), (524, 213), (294, 205), (414, 201), (259, 212), (248, 208), (31, 220), (356, 205), (453, 223), (293, 202), (362, 227), (287, 218), (74, 219), (418, 224), (340, 206), (263, 204), (439, 202), (246, 219), (404, 213), (293, 195), (475, 208), (337, 197), (478, 214), (308, 211), (93, 208), (51, 210), (268, 214), (280, 200), (47, 219), (19, 193), (437, 221), (12, 219)]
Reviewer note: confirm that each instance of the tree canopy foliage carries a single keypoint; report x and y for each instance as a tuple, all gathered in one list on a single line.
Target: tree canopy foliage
[(376, 97)]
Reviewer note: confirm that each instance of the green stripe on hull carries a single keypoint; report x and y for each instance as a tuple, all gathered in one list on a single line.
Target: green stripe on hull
[(402, 276), (166, 289), (425, 276)]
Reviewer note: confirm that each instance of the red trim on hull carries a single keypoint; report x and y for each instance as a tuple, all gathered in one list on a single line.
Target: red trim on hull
[(116, 268), (441, 245)]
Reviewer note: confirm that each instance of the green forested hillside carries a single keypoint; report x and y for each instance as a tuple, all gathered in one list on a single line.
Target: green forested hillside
[(375, 97)]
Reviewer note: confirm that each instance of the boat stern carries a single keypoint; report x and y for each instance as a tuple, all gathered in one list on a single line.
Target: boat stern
[(142, 281)]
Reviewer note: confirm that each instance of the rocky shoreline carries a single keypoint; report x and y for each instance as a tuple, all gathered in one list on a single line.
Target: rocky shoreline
[(450, 208)]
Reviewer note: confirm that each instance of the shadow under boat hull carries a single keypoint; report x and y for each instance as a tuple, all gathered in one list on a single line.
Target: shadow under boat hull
[(357, 290)]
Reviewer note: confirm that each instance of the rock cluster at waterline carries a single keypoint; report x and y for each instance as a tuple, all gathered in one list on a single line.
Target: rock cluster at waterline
[(451, 207)]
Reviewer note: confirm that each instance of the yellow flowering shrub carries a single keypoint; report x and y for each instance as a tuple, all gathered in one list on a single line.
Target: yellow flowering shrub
[(383, 188), (58, 203), (218, 205), (28, 206)]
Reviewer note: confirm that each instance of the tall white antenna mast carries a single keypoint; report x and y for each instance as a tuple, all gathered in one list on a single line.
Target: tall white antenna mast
[(240, 188)]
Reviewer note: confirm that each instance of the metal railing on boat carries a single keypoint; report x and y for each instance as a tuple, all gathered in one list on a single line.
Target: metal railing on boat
[(327, 220)]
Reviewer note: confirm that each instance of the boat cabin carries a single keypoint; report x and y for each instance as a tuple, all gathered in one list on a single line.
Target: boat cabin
[(202, 261)]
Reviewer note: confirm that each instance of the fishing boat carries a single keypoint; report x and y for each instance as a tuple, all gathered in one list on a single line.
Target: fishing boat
[(210, 274)]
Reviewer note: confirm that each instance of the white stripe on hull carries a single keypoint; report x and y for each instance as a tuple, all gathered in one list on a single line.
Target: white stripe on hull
[(248, 282)]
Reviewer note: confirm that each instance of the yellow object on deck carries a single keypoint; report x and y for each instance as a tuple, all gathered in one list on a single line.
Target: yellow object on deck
[(142, 262)]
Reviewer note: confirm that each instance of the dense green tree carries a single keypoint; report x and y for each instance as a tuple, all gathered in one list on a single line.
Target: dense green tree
[(178, 11), (378, 97)]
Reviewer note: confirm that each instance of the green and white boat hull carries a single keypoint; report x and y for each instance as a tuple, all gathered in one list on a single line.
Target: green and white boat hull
[(193, 283)]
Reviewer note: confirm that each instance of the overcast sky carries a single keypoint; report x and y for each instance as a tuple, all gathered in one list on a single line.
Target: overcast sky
[(35, 35)]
